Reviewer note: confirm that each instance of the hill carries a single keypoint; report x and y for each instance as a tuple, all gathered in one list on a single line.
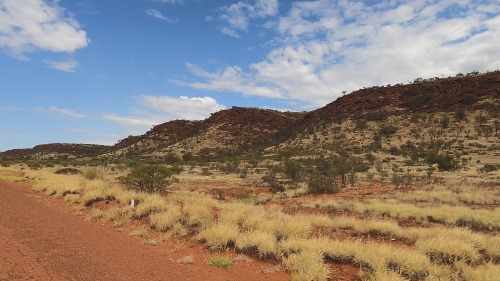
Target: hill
[(249, 131)]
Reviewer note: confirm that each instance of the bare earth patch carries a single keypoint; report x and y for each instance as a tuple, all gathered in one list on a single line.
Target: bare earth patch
[(42, 239)]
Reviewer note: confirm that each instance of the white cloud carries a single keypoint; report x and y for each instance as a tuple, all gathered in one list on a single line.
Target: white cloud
[(66, 112), (153, 110), (131, 121), (69, 65), (236, 17), (30, 25), (324, 47), (157, 14), (196, 108)]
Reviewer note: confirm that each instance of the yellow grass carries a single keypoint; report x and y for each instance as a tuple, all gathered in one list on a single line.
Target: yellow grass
[(261, 242), (151, 204), (446, 252), (451, 215), (166, 219), (219, 235), (197, 215), (307, 265)]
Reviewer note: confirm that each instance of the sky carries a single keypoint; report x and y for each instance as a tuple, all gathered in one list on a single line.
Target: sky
[(97, 71)]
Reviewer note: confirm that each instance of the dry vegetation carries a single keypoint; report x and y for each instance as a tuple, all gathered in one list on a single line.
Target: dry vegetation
[(427, 233), (411, 196)]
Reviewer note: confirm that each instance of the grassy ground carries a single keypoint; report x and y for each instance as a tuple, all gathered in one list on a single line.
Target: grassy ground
[(440, 232)]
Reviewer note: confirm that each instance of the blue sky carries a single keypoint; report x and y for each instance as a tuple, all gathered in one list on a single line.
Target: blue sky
[(82, 71)]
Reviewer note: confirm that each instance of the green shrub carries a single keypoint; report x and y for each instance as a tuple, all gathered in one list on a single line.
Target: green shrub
[(460, 114), (172, 158), (489, 168), (221, 262), (293, 170), (321, 184), (468, 99), (68, 171), (419, 101), (187, 156), (271, 178), (34, 165), (446, 162), (149, 179), (388, 129)]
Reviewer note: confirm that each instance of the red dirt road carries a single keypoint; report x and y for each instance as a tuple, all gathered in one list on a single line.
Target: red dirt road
[(40, 239)]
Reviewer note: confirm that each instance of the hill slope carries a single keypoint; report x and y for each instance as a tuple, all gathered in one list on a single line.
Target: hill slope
[(243, 131)]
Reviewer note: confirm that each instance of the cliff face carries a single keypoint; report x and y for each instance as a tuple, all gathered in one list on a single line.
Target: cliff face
[(245, 130)]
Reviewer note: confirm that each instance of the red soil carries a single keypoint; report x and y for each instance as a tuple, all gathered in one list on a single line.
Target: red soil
[(41, 239)]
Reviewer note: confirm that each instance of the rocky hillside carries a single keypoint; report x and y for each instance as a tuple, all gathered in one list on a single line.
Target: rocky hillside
[(233, 131), (242, 131), (471, 92)]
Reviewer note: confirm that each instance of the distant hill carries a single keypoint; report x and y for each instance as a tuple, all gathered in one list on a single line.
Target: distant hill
[(245, 131)]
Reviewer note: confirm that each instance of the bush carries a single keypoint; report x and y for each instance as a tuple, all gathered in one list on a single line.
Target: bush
[(221, 262), (419, 101), (460, 114), (293, 170), (468, 99), (446, 162), (68, 171), (149, 179), (489, 168), (187, 156), (271, 178), (172, 158), (321, 184), (34, 165), (387, 129)]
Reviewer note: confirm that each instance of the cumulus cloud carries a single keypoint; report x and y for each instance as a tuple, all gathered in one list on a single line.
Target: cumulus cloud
[(30, 25), (157, 14), (66, 112), (153, 110), (325, 47), (69, 65), (236, 17), (196, 108)]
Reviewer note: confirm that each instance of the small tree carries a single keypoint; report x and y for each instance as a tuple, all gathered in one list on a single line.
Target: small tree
[(446, 162), (149, 179), (271, 178), (497, 126), (321, 184), (104, 161), (293, 170)]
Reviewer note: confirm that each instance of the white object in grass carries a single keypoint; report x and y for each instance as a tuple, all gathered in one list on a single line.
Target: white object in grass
[(132, 203)]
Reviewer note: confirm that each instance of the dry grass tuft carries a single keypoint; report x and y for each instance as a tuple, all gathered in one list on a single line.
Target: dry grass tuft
[(164, 220), (220, 235), (307, 265), (263, 243), (151, 204), (141, 232)]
